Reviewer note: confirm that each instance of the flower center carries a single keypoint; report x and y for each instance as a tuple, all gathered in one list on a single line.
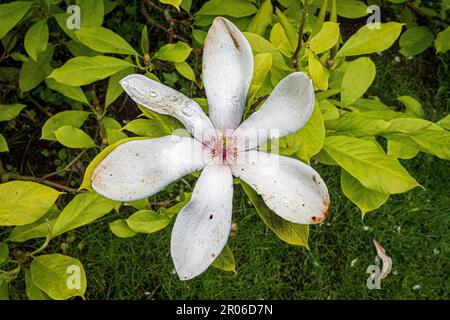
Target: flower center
[(223, 150)]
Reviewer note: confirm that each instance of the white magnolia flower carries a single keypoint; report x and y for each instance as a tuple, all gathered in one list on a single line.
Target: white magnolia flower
[(141, 168)]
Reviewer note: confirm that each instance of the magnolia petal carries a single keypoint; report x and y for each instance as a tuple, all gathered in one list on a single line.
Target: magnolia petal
[(140, 168), (290, 188), (227, 73), (162, 99), (287, 110), (202, 227), (387, 261)]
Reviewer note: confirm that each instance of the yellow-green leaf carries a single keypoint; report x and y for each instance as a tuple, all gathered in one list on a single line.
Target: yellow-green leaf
[(36, 39), (225, 261), (85, 70), (24, 202), (59, 276), (73, 137)]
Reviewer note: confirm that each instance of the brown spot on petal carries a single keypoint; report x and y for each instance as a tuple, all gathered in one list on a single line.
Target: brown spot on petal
[(232, 35), (316, 220)]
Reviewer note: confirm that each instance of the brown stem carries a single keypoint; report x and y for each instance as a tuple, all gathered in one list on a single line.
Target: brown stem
[(150, 20), (38, 105), (294, 57), (67, 167), (258, 101), (45, 182)]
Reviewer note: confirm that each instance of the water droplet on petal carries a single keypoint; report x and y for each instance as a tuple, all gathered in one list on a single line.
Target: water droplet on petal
[(153, 94), (187, 111)]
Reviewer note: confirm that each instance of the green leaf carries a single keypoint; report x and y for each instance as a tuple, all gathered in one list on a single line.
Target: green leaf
[(290, 31), (199, 36), (24, 202), (73, 118), (415, 40), (410, 125), (121, 229), (262, 66), (366, 199), (366, 40), (357, 79), (445, 122), (92, 12), (317, 73), (75, 93), (366, 161), (329, 110), (442, 42), (3, 144), (33, 73), (232, 8), (113, 130), (185, 70), (175, 3), (147, 128), (262, 19), (279, 40), (114, 88), (325, 39), (36, 39), (10, 111), (59, 276), (401, 150), (413, 107), (33, 291), (83, 209), (260, 45), (98, 158), (85, 70), (177, 52), (104, 40), (364, 105), (37, 229), (351, 9), (78, 49), (4, 253), (431, 141), (61, 20), (148, 221), (307, 141), (74, 138), (140, 204), (357, 125), (295, 234), (11, 13), (225, 261)]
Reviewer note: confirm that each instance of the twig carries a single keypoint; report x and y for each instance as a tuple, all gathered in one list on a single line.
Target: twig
[(26, 152), (67, 167), (39, 106), (294, 57), (156, 24), (45, 182)]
